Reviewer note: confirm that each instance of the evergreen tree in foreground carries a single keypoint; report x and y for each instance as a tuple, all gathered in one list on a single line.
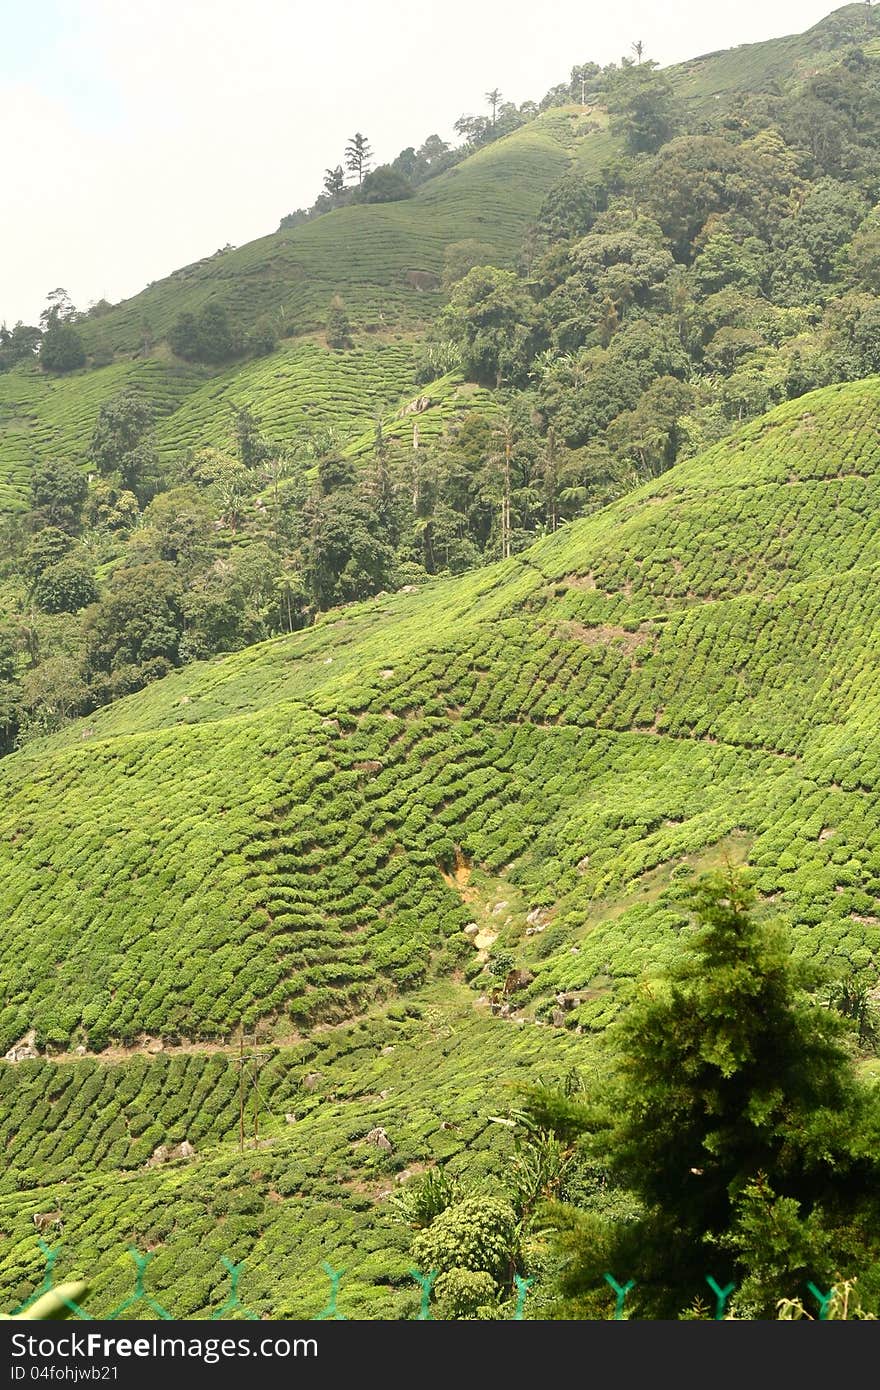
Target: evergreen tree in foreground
[(736, 1122)]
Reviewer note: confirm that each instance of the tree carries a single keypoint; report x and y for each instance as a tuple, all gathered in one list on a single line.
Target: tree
[(346, 556), (183, 337), (46, 548), (209, 337), (475, 130), (494, 98), (59, 309), (641, 106), (135, 630), (338, 325), (65, 587), (497, 324), (863, 257), (58, 491), (61, 349), (19, 344), (358, 156), (218, 338), (250, 445), (122, 423), (334, 181), (384, 185), (729, 1074)]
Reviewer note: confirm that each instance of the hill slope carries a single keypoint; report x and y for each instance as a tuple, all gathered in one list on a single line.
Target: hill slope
[(385, 259), (269, 833), (294, 833)]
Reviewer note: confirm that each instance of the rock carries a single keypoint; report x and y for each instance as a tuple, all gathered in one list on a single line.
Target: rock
[(184, 1150), (499, 907), (387, 1050), (504, 1011), (471, 929), (558, 1018), (310, 1081), (378, 1137), (290, 1118), (25, 1050), (410, 589), (80, 1051), (583, 864), (568, 1000), (517, 979), (423, 279), (160, 1154), (537, 917)]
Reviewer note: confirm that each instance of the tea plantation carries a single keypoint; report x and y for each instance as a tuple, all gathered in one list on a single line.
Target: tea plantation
[(301, 832), (385, 260), (368, 253)]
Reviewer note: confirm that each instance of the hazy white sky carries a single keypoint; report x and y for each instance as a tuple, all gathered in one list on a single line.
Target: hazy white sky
[(141, 135)]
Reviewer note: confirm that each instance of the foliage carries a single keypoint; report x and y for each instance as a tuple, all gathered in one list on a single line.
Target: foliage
[(476, 1234), (384, 185), (209, 336), (61, 348), (642, 108), (338, 324), (731, 1086)]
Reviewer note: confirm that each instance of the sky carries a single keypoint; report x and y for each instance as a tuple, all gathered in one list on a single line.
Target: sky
[(139, 137)]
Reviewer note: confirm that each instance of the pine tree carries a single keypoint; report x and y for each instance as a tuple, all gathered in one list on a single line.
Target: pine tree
[(358, 156), (733, 1099), (334, 181)]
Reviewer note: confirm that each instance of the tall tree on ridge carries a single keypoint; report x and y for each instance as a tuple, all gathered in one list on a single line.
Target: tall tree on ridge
[(334, 181), (358, 155)]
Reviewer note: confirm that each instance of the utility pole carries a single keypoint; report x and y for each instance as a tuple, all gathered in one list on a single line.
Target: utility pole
[(254, 1060), (240, 1088)]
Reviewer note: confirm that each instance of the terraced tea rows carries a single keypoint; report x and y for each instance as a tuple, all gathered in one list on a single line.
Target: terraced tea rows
[(313, 1190), (266, 836), (380, 257), (44, 417)]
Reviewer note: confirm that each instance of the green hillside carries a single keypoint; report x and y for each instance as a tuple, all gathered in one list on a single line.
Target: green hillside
[(290, 835), (695, 662), (367, 253), (432, 843), (761, 67)]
